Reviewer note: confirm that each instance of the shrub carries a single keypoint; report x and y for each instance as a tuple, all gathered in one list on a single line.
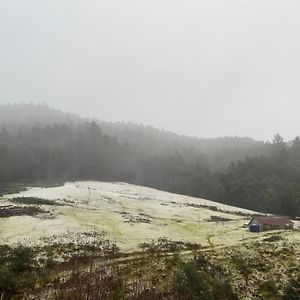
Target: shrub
[(21, 259), (269, 290), (190, 283), (292, 292), (200, 279), (273, 238), (8, 279), (33, 201)]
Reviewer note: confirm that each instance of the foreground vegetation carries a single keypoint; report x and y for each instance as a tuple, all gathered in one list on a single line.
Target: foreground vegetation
[(91, 267)]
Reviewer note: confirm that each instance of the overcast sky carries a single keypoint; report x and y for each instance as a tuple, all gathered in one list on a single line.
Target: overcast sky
[(204, 68)]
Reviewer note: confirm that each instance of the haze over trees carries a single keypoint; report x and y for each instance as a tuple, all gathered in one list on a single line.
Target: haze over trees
[(38, 144)]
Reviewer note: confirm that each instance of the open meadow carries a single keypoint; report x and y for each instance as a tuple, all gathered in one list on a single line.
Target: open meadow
[(98, 240)]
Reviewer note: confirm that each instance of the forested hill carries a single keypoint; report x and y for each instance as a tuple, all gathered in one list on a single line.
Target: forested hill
[(38, 143), (216, 154)]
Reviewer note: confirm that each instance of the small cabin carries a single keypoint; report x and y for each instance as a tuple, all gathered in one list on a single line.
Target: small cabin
[(259, 224)]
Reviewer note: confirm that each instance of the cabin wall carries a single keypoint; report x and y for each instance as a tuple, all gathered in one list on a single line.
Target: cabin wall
[(276, 227), (256, 226)]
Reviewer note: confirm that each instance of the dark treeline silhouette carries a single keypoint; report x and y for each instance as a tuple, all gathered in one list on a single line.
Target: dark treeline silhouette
[(267, 183), (40, 144), (216, 153)]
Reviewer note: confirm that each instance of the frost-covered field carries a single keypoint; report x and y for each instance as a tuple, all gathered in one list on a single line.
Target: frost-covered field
[(130, 214)]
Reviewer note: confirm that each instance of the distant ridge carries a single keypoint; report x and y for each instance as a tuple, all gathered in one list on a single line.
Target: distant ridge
[(29, 114), (38, 143), (141, 138)]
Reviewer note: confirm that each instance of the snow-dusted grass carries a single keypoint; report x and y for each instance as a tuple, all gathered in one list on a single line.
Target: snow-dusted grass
[(130, 214)]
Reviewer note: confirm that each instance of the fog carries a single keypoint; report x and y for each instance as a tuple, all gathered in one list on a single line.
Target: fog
[(201, 68)]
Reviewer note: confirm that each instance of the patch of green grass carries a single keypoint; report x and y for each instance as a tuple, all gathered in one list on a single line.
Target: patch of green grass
[(209, 240)]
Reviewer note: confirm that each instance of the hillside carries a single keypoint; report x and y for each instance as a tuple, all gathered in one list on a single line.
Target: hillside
[(215, 152), (40, 144), (121, 241), (123, 210)]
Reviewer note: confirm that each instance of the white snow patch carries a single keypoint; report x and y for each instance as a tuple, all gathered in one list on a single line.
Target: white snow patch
[(130, 214)]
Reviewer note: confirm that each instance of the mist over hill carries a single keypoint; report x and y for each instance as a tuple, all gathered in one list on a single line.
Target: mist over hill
[(38, 143), (28, 114), (215, 152)]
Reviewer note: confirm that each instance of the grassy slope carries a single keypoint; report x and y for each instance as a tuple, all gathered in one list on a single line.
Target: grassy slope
[(130, 214)]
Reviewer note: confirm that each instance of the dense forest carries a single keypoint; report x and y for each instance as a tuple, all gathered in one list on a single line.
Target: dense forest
[(40, 144)]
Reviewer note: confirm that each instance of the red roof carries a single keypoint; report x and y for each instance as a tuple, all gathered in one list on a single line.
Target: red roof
[(273, 221)]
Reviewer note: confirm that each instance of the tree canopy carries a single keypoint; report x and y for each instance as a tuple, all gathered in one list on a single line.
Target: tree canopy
[(238, 171)]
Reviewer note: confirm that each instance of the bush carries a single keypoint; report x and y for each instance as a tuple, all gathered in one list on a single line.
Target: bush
[(21, 259), (292, 290), (33, 201), (222, 290), (190, 283), (8, 279), (269, 290), (273, 238)]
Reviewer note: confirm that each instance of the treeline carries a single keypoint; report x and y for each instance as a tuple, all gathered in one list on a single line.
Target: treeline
[(63, 152), (267, 183), (261, 176), (215, 154), (60, 152)]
